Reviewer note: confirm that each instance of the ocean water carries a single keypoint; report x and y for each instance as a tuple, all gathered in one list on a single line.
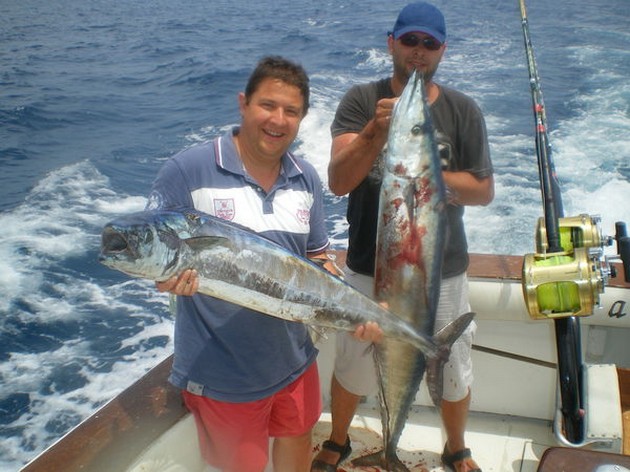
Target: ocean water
[(96, 94)]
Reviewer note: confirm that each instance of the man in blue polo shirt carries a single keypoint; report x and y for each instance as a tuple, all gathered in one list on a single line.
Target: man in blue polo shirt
[(247, 377)]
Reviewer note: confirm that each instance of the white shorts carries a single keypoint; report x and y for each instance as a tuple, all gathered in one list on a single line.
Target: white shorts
[(354, 361)]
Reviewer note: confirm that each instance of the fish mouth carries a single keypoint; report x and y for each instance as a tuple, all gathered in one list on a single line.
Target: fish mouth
[(113, 243)]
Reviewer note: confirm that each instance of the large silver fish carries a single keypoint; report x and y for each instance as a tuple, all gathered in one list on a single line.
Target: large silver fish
[(242, 267), (411, 232)]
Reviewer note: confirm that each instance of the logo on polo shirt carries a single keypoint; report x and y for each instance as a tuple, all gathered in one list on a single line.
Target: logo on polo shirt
[(155, 201), (303, 216), (224, 208)]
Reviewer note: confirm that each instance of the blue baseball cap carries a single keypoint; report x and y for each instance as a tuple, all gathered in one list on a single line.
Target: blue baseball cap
[(420, 17)]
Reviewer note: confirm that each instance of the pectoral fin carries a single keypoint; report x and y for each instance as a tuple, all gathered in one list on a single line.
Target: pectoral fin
[(201, 243)]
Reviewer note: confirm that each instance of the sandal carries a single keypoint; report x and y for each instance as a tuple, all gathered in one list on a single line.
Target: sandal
[(450, 459), (343, 451)]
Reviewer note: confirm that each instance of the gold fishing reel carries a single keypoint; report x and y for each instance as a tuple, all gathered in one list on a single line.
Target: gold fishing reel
[(575, 231), (567, 283)]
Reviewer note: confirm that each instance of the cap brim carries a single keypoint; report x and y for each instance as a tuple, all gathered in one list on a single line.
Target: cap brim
[(420, 29)]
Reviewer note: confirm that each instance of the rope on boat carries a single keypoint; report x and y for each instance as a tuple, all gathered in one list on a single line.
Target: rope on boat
[(511, 355)]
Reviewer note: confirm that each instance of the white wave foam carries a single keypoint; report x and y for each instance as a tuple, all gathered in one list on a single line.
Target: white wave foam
[(314, 138), (60, 219)]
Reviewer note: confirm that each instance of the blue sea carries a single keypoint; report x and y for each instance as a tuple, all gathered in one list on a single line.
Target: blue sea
[(96, 94)]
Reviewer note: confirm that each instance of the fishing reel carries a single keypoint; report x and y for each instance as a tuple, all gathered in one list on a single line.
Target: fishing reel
[(569, 283)]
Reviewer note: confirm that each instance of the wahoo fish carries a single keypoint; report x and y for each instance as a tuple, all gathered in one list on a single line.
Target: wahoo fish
[(410, 236), (242, 267)]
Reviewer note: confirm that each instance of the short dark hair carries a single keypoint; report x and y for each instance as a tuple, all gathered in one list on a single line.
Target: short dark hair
[(277, 67)]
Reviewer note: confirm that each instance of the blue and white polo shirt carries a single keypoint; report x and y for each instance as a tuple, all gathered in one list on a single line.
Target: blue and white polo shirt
[(222, 350)]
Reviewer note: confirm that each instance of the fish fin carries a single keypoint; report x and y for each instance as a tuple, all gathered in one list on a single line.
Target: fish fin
[(435, 366), (449, 334), (434, 376), (200, 243), (317, 333)]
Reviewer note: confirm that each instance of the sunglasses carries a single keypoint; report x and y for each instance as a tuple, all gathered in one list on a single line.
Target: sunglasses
[(411, 41)]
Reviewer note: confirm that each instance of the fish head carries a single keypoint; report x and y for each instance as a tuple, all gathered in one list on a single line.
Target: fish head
[(411, 130), (145, 244), (408, 111)]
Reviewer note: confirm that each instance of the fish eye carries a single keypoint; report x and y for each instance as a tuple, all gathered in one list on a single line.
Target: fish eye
[(191, 216), (416, 130)]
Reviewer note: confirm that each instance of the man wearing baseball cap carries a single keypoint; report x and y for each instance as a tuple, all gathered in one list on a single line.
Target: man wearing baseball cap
[(420, 17), (359, 131)]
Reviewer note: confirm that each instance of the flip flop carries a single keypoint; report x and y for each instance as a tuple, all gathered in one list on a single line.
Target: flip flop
[(450, 459), (343, 451)]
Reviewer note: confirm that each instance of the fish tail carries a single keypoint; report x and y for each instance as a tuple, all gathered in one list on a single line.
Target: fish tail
[(435, 365), (389, 462)]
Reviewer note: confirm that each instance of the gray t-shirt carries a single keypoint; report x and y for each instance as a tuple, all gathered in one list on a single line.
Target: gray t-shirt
[(463, 146)]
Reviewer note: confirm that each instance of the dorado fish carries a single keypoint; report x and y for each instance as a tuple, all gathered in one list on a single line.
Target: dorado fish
[(410, 236), (242, 267)]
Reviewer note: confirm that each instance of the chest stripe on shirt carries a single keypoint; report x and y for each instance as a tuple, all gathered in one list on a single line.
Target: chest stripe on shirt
[(291, 208)]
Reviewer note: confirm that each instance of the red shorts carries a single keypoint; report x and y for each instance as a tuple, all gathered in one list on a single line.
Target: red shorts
[(235, 436)]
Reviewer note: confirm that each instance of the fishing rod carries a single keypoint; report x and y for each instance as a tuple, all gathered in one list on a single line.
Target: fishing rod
[(549, 186), (567, 328)]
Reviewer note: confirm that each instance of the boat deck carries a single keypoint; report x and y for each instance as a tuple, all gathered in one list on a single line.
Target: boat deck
[(500, 443)]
